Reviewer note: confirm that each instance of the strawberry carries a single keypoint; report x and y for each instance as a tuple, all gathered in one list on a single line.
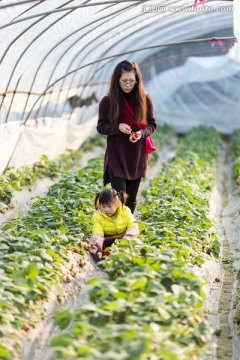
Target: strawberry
[(133, 137), (26, 327)]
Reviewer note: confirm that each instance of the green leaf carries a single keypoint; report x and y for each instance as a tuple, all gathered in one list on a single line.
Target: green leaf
[(4, 353), (3, 247), (63, 319), (238, 275), (32, 271), (64, 229), (19, 277), (9, 225), (62, 340), (200, 260)]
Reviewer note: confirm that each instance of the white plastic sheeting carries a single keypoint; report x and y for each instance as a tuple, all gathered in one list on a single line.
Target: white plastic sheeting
[(9, 135), (24, 145), (210, 95), (205, 90), (56, 51), (236, 24)]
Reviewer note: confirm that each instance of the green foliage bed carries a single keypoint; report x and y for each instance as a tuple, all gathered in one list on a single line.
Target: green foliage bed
[(150, 306)]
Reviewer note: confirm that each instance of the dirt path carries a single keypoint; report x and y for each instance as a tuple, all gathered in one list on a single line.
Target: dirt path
[(224, 343), (22, 199), (222, 284), (229, 341), (37, 347)]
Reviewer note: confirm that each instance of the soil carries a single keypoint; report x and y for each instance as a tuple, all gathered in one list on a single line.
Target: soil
[(222, 299), (229, 340), (22, 199), (65, 296)]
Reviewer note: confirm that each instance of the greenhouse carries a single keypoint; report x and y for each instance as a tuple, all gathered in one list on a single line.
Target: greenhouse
[(168, 286)]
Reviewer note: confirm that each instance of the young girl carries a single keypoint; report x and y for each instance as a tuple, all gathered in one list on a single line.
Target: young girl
[(112, 218)]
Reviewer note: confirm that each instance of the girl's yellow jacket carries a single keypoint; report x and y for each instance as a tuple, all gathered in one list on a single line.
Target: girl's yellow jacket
[(123, 224)]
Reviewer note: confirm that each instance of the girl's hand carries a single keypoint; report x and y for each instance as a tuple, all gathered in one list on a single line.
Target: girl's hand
[(93, 249), (95, 244), (135, 136), (125, 128)]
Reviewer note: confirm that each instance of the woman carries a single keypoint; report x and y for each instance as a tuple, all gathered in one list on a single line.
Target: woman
[(126, 116)]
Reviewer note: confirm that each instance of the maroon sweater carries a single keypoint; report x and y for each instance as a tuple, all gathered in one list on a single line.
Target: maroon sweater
[(127, 160)]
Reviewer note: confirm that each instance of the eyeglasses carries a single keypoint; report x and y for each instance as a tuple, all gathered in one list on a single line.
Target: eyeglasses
[(130, 82)]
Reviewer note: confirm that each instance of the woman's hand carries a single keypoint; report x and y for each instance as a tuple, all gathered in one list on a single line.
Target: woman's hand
[(135, 136), (125, 128)]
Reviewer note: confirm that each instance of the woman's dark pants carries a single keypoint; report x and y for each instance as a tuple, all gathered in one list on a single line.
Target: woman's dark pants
[(129, 186)]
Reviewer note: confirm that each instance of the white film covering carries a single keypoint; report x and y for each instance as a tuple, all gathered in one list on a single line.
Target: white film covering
[(57, 56)]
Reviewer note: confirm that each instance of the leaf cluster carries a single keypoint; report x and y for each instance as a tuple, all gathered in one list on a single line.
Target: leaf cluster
[(33, 247), (15, 179)]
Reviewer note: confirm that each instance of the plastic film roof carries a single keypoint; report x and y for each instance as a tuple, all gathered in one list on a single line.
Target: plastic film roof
[(57, 57)]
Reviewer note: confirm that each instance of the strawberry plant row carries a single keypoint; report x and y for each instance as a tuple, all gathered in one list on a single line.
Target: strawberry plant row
[(236, 159), (33, 247), (14, 179), (161, 137), (150, 306), (176, 207)]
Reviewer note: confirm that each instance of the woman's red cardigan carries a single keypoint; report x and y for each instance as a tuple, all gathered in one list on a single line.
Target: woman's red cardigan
[(126, 159)]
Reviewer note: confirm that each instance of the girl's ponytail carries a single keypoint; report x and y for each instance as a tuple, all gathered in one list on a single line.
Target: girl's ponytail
[(96, 201), (122, 196)]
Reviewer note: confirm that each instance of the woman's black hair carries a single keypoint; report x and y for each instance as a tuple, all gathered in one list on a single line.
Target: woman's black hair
[(108, 196), (139, 96)]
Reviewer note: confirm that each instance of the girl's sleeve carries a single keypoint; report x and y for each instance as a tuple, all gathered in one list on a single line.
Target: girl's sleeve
[(97, 228), (151, 122), (104, 127), (132, 226)]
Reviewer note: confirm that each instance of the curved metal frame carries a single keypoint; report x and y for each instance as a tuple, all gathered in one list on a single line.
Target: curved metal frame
[(77, 54), (46, 13), (102, 56), (29, 45), (21, 55), (19, 3), (65, 52), (117, 55), (16, 38)]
